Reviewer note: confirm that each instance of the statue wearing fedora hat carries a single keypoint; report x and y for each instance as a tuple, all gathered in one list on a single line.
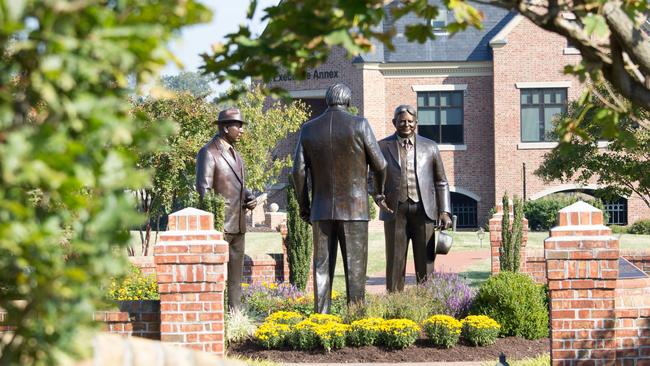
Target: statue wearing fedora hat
[(417, 192), (220, 169)]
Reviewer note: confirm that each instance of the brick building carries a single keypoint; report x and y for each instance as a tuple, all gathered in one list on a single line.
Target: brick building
[(486, 96)]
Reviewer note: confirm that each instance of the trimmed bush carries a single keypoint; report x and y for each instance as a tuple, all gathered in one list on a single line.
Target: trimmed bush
[(284, 317), (135, 286), (542, 213), (640, 227), (364, 332), (398, 333), (516, 303), (442, 330), (272, 335), (480, 330)]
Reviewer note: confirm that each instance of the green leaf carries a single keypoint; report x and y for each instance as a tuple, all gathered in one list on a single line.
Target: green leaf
[(595, 24)]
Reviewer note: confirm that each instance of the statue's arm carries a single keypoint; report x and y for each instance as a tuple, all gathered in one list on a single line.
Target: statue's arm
[(375, 159), (299, 175), (205, 165), (441, 183)]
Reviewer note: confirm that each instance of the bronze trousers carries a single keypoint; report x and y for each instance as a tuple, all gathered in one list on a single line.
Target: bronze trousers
[(236, 245), (353, 238), (410, 223)]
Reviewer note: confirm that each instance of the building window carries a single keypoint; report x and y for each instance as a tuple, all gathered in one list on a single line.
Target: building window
[(616, 211), (538, 108), (464, 208), (440, 116), (440, 21)]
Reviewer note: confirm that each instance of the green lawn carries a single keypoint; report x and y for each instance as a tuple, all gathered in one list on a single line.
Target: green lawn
[(258, 243)]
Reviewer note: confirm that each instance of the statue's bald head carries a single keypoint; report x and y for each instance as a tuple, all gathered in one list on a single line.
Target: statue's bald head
[(338, 94)]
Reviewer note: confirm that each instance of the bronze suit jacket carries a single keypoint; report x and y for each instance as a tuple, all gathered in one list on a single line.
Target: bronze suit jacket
[(217, 170), (335, 150), (430, 173)]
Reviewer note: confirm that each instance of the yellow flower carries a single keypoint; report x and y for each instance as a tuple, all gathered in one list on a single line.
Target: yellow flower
[(481, 322), (325, 318)]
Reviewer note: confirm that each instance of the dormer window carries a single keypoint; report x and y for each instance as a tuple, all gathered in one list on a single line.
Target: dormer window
[(440, 22)]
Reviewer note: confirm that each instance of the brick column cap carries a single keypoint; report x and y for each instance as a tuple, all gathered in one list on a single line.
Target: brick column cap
[(190, 219), (580, 213)]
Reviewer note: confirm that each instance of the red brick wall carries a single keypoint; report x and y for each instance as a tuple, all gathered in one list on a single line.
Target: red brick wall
[(134, 318), (536, 266)]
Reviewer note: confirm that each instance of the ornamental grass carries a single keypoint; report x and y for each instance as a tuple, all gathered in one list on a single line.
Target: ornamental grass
[(442, 330), (480, 330)]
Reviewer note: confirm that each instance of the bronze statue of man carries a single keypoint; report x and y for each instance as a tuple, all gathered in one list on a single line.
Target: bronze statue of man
[(335, 150), (220, 169), (417, 192)]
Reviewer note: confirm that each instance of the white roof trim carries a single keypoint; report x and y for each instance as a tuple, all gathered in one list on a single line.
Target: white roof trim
[(429, 69), (439, 87), (543, 84), (311, 93), (501, 38), (465, 192), (561, 188)]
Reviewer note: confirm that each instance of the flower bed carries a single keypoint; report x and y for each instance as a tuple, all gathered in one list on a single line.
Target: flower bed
[(328, 332)]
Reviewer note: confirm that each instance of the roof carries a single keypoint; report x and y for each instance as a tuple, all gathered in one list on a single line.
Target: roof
[(469, 45)]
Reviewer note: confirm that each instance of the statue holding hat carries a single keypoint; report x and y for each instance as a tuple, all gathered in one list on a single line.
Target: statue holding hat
[(220, 169)]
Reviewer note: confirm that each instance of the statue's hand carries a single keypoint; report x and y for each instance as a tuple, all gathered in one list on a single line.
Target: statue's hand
[(445, 221), (304, 215), (251, 204), (380, 200)]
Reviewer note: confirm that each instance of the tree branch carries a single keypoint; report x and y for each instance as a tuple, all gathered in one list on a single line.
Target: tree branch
[(629, 36), (622, 80)]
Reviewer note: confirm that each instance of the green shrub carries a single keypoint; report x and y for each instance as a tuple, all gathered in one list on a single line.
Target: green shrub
[(542, 213), (364, 332), (372, 208), (640, 227), (480, 330), (516, 303), (398, 333), (442, 330), (509, 252), (618, 229), (299, 242), (414, 303), (135, 286)]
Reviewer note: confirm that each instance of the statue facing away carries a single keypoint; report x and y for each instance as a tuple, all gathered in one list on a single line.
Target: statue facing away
[(335, 151)]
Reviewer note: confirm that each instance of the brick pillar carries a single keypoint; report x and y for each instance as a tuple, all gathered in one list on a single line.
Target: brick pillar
[(191, 260), (582, 269), (496, 238)]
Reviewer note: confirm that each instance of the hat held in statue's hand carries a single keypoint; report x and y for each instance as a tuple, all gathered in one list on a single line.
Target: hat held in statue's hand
[(230, 115), (444, 242)]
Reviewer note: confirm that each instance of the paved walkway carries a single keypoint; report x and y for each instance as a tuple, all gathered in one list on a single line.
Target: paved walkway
[(453, 262), (462, 363), (466, 363)]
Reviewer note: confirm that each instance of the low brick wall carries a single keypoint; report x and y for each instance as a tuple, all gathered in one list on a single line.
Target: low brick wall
[(133, 318), (536, 265), (265, 268), (633, 321), (638, 257)]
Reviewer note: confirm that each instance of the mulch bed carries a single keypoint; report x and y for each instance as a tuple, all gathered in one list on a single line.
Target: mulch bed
[(514, 348)]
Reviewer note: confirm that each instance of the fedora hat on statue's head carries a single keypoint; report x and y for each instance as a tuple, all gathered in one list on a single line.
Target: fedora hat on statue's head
[(230, 115)]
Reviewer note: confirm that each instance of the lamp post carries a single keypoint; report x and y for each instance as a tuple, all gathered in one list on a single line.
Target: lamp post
[(480, 234)]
